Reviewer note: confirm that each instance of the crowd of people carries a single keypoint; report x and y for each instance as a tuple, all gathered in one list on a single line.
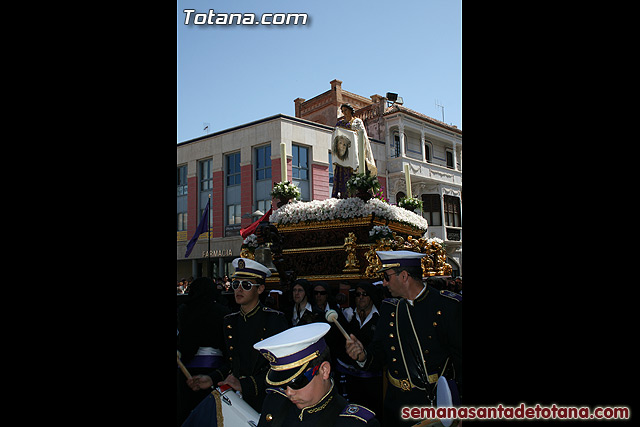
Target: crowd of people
[(223, 321), (221, 283)]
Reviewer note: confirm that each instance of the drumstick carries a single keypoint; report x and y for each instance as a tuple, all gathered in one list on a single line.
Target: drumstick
[(332, 316), (183, 368)]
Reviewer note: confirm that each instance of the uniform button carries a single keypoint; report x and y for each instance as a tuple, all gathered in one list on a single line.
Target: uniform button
[(269, 417), (230, 358), (390, 335), (438, 312), (230, 347), (393, 348), (232, 337), (393, 314), (426, 352), (390, 323), (429, 337), (435, 323), (394, 359), (395, 372)]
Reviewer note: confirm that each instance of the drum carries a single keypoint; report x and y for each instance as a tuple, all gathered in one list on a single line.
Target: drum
[(222, 408), (447, 397), (235, 411)]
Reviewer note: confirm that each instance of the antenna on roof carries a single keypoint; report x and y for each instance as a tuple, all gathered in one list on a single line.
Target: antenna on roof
[(442, 109), (206, 127)]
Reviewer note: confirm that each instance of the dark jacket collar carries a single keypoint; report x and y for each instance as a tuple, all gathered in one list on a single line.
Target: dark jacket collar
[(320, 406), (252, 312)]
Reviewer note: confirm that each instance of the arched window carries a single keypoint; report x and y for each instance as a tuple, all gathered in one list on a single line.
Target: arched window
[(428, 151)]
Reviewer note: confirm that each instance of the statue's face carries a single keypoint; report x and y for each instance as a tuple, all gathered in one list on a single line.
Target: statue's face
[(342, 146)]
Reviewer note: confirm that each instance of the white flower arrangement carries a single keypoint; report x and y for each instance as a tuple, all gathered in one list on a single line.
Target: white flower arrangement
[(251, 241), (353, 207), (380, 232), (286, 190), (435, 240), (363, 182), (410, 203)]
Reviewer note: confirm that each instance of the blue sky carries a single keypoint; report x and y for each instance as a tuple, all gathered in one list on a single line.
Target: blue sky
[(231, 75)]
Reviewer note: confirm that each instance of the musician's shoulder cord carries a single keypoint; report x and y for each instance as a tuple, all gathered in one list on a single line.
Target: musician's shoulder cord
[(422, 366)]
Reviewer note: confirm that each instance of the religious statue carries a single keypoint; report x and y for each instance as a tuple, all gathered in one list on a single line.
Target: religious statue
[(349, 135)]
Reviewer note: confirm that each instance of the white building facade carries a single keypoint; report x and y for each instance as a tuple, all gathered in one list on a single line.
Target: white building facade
[(434, 156)]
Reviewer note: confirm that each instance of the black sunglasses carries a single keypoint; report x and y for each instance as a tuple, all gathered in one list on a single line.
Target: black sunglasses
[(320, 292), (246, 285), (386, 277), (361, 294), (302, 380)]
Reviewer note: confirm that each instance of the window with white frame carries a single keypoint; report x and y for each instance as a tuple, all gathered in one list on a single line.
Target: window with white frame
[(428, 151), (449, 159), (300, 170), (233, 190), (182, 198), (233, 169), (431, 209), (452, 211), (206, 175), (263, 185), (233, 214)]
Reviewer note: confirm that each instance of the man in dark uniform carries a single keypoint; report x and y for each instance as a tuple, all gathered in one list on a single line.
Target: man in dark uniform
[(418, 337), (245, 369), (302, 392)]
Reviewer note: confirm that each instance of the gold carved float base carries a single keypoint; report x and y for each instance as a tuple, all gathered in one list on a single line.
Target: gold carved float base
[(342, 250)]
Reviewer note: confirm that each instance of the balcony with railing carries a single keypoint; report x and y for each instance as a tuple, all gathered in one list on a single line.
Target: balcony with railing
[(425, 170)]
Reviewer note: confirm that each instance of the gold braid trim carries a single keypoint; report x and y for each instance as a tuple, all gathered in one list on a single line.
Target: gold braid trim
[(219, 416), (288, 379), (255, 384), (297, 363)]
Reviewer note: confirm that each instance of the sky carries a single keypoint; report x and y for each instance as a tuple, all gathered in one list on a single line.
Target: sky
[(235, 74)]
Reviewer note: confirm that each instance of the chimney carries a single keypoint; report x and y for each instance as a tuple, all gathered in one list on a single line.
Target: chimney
[(380, 102), (336, 91), (298, 103)]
